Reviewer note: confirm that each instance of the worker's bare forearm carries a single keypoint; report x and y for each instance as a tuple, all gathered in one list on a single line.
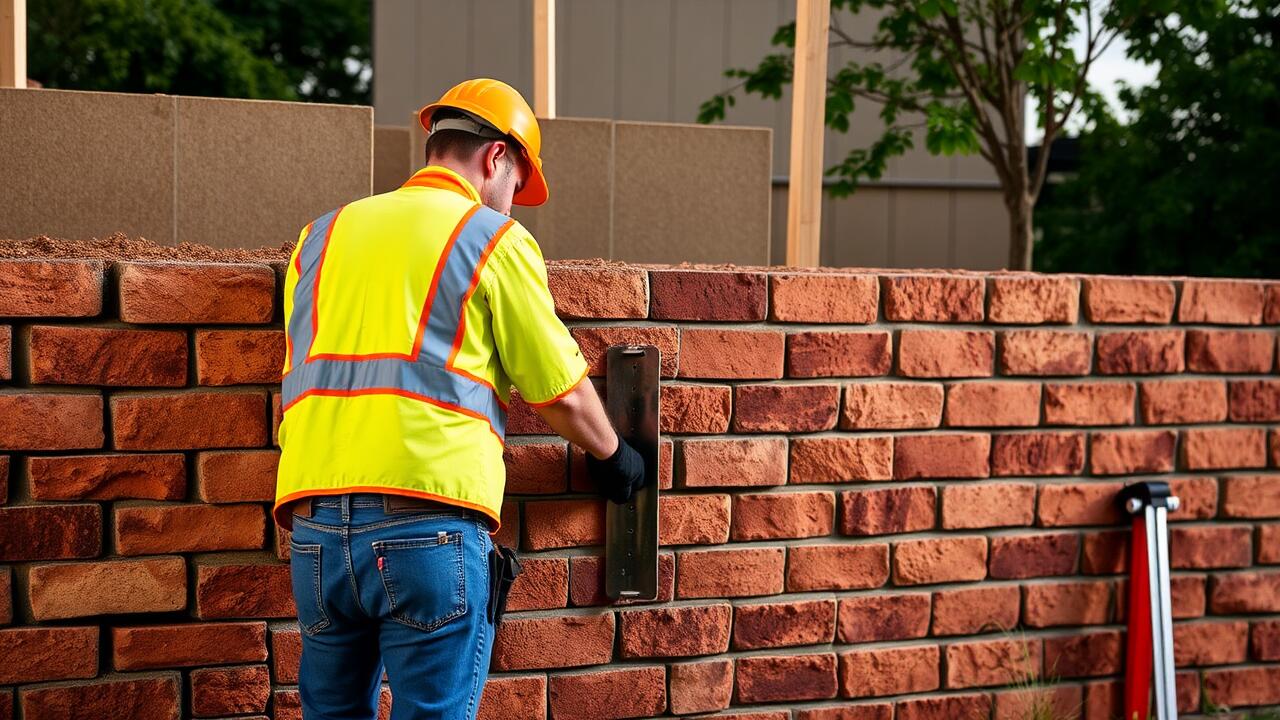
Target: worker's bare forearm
[(579, 417)]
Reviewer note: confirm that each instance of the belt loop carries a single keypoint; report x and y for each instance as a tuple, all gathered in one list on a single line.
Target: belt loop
[(346, 508), (386, 504)]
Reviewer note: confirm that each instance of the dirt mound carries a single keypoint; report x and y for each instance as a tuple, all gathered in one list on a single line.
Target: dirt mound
[(122, 247)]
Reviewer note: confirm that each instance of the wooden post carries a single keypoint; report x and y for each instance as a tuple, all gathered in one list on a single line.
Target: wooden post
[(808, 104), (544, 58), (13, 43)]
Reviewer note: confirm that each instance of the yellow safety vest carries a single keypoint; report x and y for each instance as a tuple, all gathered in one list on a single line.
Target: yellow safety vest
[(408, 316)]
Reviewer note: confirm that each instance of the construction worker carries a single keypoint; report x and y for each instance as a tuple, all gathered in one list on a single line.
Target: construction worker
[(408, 316)]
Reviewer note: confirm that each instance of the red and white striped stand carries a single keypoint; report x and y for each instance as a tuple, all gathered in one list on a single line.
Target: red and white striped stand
[(1149, 641)]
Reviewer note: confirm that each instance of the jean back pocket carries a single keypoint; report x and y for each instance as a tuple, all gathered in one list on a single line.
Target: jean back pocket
[(304, 572), (425, 578)]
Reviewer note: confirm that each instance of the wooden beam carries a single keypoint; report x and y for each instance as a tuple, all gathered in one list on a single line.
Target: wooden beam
[(13, 43), (808, 105), (544, 58)]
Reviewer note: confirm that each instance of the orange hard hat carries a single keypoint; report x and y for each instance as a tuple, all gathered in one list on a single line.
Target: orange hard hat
[(501, 106)]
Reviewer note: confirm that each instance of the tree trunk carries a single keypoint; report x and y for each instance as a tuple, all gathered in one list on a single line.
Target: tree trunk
[(1020, 208)]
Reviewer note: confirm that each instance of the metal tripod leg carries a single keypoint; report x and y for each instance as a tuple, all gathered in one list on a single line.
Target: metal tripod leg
[(1166, 699)]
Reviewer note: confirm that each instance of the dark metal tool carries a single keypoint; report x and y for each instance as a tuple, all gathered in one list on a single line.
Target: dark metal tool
[(631, 529)]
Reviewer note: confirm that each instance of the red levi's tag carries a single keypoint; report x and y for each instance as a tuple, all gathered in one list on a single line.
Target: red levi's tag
[(380, 562)]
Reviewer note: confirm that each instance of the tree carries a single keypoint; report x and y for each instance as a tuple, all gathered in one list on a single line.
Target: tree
[(1186, 185), (961, 70), (281, 49)]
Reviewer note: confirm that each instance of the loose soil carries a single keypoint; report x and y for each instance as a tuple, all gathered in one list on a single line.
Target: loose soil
[(122, 247)]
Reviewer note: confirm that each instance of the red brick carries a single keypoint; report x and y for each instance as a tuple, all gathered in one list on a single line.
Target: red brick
[(945, 708), (586, 581), (6, 596), (1089, 403), (860, 711), (243, 590), (992, 404), (38, 654), (523, 419), (1090, 654), (693, 409), (889, 671), (1104, 553), (64, 355), (1210, 643), (1268, 545), (876, 618), (187, 645), (239, 357), (950, 455), (1037, 454), (1251, 496), (236, 476), (1229, 351), (701, 686), (675, 631), (693, 519), (1127, 453), (586, 291), (839, 354), (521, 696), (843, 458), (1128, 300), (596, 341), (1233, 687), (1244, 592), (4, 479), (614, 693), (786, 678), (1103, 700), (837, 567), (734, 463), (227, 691), (1034, 300), (968, 611), (196, 293), (1275, 447), (189, 420), (108, 477), (277, 416), (770, 625), (155, 529), (1222, 448), (785, 408), (984, 505), (536, 468), (50, 288), (1066, 603), (734, 354), (542, 584), (154, 698), (1271, 314), (1198, 495), (783, 515), (1046, 701), (51, 421), (936, 560), (1092, 503), (110, 587), (1172, 402), (933, 298), (707, 295), (563, 523), (1186, 595), (1140, 352), (6, 353), (1255, 400), (891, 405), (575, 640), (1025, 556), (946, 353), (1221, 302), (983, 663), (729, 573), (823, 298), (1264, 638), (1214, 546), (886, 511), (1045, 352), (50, 532)]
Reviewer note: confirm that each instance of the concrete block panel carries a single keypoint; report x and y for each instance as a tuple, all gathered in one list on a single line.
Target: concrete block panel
[(694, 192), (390, 158), (576, 221), (982, 230), (80, 164), (252, 173)]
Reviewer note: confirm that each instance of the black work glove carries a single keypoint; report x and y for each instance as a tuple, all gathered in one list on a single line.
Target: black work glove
[(620, 476)]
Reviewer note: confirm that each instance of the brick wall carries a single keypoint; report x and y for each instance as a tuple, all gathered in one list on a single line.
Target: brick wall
[(889, 496)]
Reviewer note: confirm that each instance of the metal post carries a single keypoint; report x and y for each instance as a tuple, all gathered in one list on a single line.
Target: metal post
[(631, 529), (1150, 642)]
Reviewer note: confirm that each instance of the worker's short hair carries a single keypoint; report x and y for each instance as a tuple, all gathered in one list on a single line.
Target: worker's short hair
[(460, 143)]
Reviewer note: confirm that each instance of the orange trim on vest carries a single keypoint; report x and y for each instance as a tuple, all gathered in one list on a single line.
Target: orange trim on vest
[(462, 321), (434, 176), (286, 521), (560, 397)]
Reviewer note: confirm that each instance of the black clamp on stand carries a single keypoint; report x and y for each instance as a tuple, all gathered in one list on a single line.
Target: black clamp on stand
[(1149, 640)]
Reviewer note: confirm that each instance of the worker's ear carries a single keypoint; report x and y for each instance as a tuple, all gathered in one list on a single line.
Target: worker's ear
[(494, 157)]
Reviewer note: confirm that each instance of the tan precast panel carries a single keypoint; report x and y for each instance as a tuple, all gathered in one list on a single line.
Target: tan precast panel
[(577, 219), (391, 153)]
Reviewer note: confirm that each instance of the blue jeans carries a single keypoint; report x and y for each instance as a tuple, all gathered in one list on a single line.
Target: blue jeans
[(408, 589)]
